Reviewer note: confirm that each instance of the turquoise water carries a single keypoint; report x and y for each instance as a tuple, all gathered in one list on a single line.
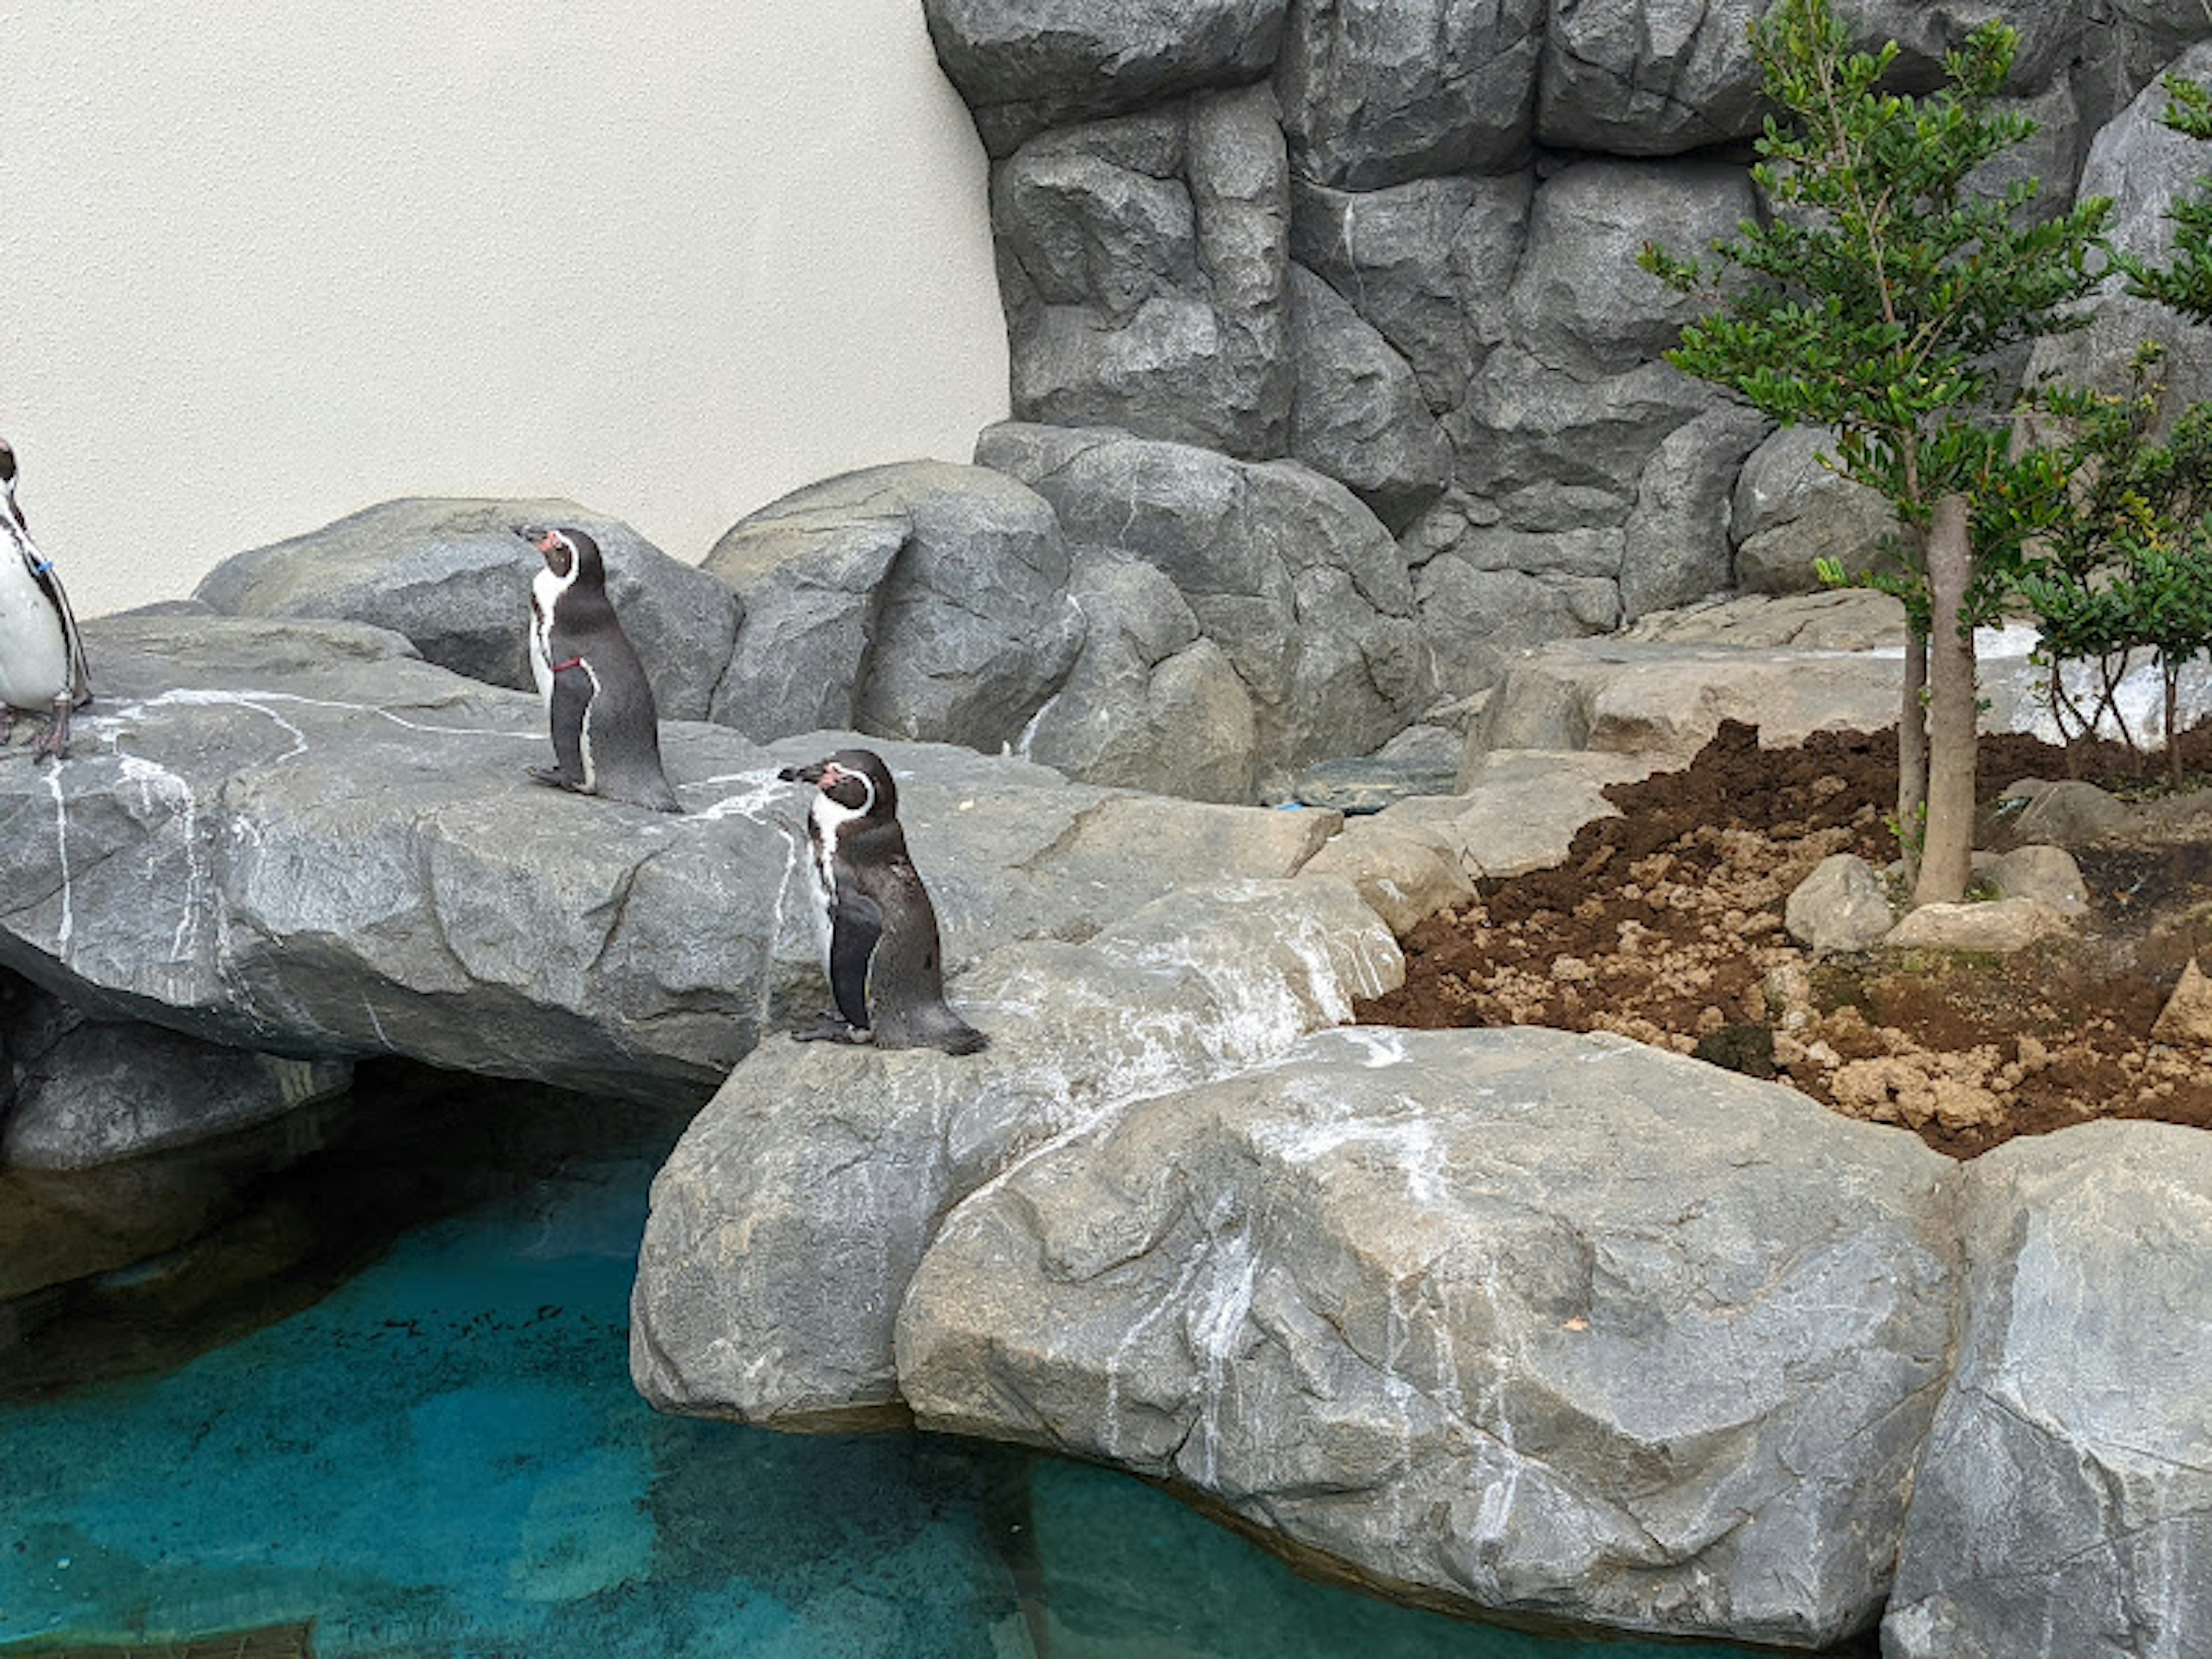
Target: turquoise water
[(443, 1456)]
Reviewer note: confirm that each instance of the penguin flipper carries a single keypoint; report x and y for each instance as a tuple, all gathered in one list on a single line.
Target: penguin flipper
[(855, 927), (567, 709)]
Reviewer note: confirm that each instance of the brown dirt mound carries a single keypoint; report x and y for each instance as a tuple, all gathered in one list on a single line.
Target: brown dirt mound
[(1665, 925)]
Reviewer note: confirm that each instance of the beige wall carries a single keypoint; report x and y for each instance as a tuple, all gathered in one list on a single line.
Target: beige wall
[(263, 265)]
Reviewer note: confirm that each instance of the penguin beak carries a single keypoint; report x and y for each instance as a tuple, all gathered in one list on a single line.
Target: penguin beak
[(803, 774), (529, 533)]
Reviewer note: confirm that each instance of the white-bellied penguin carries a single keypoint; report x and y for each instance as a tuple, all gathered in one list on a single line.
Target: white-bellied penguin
[(885, 965), (41, 656), (606, 730)]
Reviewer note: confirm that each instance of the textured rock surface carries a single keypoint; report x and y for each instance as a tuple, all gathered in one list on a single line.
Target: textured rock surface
[(2061, 1509), (292, 836), (1304, 591), (1789, 512), (921, 600), (1358, 414), (1511, 1320), (787, 1224), (1143, 265), (83, 1093), (1841, 906), (451, 576), (1379, 92), (1022, 65)]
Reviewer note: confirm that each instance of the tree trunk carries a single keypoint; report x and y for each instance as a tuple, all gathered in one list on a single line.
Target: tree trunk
[(1912, 754), (1946, 855)]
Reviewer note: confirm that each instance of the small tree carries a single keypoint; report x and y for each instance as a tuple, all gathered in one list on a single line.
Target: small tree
[(1876, 295), (2120, 565)]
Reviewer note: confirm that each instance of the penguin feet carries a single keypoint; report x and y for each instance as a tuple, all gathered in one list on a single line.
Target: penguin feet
[(830, 1026), (554, 777), (54, 742)]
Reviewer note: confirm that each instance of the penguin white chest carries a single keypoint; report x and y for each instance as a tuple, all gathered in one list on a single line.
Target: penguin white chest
[(35, 660), (545, 591), (823, 820)]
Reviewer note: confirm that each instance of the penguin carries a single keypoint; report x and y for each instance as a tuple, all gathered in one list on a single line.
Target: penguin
[(41, 654), (606, 731), (883, 957)]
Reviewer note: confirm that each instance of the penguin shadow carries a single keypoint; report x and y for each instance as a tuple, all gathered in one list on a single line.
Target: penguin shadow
[(883, 954)]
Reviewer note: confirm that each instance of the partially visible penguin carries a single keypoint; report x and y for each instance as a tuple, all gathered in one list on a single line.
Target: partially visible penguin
[(885, 966), (606, 730), (41, 657)]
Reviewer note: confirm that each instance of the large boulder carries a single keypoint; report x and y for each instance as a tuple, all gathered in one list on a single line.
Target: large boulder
[(295, 837), (921, 600), (1649, 77), (1152, 703), (1426, 263), (1790, 511), (1358, 415), (2061, 1507), (1023, 66), (1514, 1321), (1303, 590), (453, 576), (1143, 263), (2144, 167), (787, 1222), (1379, 92)]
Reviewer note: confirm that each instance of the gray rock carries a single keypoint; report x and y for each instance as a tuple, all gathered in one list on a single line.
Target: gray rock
[(1377, 92), (1996, 927), (1428, 263), (1513, 1321), (1022, 67), (1791, 511), (1675, 547), (2046, 874), (452, 577), (921, 600), (2061, 1507), (2068, 812), (1841, 906), (1527, 431), (2142, 166), (787, 1224), (1296, 581), (1143, 265), (287, 836), (1518, 811), (1578, 303), (1358, 415), (1150, 703), (1483, 621), (1648, 77), (1833, 619), (2134, 41), (1404, 874), (84, 1093), (1368, 783)]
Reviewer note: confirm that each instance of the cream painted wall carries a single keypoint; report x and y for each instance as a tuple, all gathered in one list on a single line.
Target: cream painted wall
[(263, 265)]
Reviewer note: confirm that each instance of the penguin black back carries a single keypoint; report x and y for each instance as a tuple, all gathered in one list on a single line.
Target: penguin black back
[(599, 704), (885, 960)]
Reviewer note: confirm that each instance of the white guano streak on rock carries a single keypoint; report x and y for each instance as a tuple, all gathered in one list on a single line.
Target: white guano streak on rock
[(68, 924), (157, 783), (258, 702), (1216, 1323), (765, 790)]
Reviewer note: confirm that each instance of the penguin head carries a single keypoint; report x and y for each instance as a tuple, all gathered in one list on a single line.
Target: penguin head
[(7, 485), (856, 779), (570, 554)]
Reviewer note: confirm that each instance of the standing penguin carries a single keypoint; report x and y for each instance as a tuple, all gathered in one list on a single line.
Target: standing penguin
[(885, 968), (606, 731), (41, 656)]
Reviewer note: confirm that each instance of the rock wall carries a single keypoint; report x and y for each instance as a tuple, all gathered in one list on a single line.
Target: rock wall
[(1391, 243)]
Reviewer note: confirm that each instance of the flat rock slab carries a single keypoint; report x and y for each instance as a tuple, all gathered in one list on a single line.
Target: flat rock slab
[(2063, 1507), (787, 1222), (1557, 1327), (295, 836)]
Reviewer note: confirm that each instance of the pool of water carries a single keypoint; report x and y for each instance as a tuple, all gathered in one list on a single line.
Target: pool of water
[(442, 1456)]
